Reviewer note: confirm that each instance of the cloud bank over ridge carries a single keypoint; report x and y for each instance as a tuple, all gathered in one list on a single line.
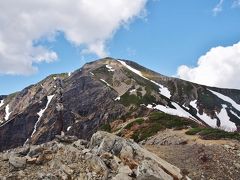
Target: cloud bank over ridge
[(220, 67)]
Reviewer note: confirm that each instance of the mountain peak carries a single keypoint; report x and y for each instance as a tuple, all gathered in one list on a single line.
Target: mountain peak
[(104, 91)]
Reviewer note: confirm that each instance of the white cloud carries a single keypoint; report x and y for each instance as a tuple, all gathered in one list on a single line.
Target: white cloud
[(83, 22), (236, 3), (219, 67), (218, 8)]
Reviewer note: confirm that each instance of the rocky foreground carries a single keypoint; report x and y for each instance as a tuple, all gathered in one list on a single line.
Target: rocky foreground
[(105, 156)]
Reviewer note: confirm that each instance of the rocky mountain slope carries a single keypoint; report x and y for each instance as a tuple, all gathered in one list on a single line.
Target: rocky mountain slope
[(104, 91)]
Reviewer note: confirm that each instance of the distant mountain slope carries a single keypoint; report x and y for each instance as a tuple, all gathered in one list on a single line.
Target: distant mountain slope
[(106, 90)]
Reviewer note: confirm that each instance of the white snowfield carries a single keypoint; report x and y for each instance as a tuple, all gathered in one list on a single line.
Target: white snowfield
[(132, 91), (163, 90), (40, 113), (227, 99), (1, 103), (211, 122), (117, 98), (7, 112), (179, 111), (132, 69), (226, 124), (69, 127), (235, 114), (110, 68)]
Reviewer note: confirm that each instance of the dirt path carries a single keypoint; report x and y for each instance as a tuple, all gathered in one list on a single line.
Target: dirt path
[(200, 159)]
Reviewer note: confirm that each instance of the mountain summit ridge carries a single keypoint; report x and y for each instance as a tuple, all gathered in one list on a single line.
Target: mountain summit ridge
[(106, 90)]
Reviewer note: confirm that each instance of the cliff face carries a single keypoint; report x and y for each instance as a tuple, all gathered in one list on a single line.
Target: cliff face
[(104, 91)]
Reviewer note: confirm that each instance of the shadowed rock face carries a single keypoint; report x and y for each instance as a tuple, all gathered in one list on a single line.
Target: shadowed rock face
[(2, 97), (100, 92), (80, 102)]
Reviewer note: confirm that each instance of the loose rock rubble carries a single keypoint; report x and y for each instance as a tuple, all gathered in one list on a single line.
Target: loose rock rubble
[(106, 156)]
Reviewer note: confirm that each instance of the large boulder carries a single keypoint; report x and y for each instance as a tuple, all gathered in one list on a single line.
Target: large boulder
[(17, 162), (148, 169), (146, 163), (97, 165)]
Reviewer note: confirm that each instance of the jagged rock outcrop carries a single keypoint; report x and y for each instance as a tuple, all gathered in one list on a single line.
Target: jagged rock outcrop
[(106, 156)]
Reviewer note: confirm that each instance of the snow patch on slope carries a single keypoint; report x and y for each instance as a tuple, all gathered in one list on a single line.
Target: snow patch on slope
[(117, 98), (227, 99), (132, 69), (211, 122), (132, 91), (7, 112), (226, 124), (69, 127), (105, 82), (1, 103), (179, 111), (110, 68), (186, 107), (163, 90), (40, 113), (150, 106), (235, 114)]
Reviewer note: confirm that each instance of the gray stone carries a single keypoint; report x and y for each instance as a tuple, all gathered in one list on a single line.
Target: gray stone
[(47, 176), (126, 152), (35, 151), (66, 169), (5, 156), (80, 144), (23, 151), (97, 165), (148, 169), (66, 139), (237, 165), (114, 163), (125, 170), (84, 151), (17, 162), (121, 176)]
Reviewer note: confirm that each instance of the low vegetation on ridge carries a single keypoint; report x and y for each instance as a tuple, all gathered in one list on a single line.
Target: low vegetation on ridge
[(143, 128), (213, 134)]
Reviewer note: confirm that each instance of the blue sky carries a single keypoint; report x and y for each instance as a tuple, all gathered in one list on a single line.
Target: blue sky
[(172, 33)]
